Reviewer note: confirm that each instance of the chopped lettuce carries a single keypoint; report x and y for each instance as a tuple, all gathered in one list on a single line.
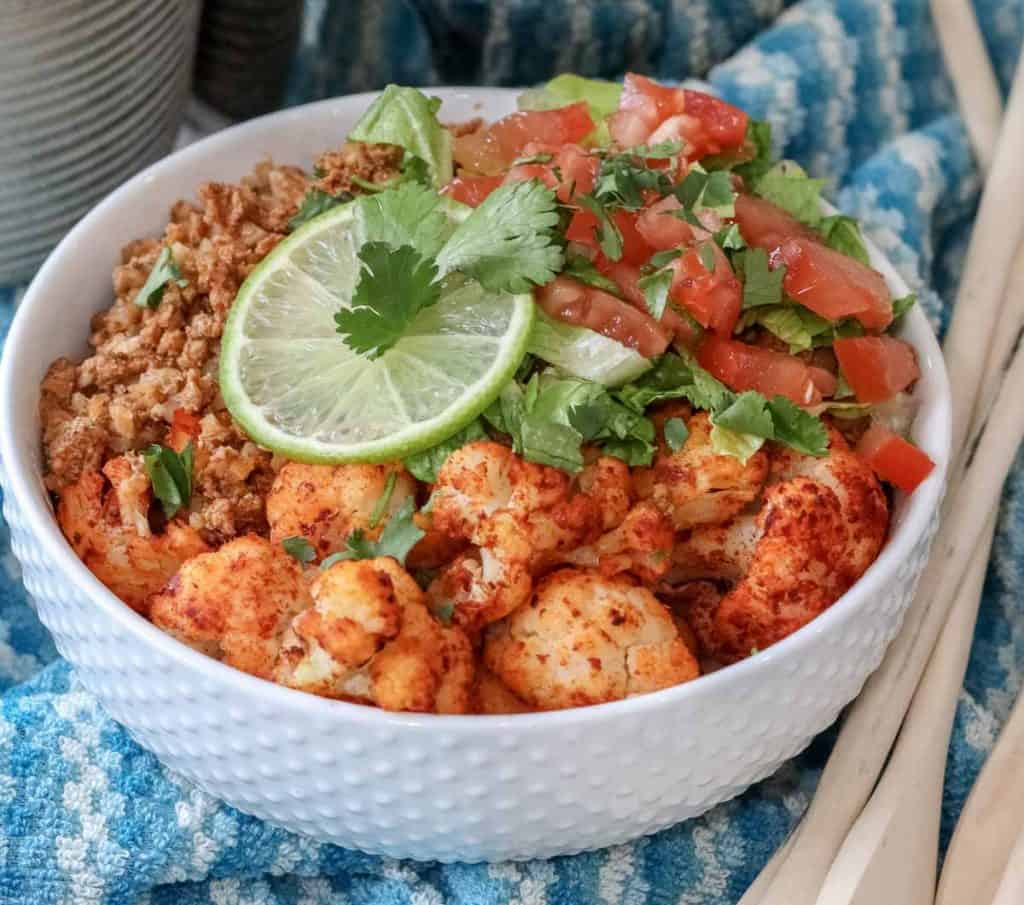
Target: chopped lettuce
[(408, 118), (787, 185), (601, 98), (425, 464), (726, 442), (793, 324), (842, 233), (586, 354)]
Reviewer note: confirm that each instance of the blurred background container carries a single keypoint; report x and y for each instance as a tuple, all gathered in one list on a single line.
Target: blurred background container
[(91, 91)]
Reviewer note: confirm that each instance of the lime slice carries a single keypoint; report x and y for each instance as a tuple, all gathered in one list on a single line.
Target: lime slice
[(296, 388)]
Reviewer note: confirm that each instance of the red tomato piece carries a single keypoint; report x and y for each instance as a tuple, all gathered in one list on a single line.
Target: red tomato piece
[(634, 249), (713, 298), (471, 190), (627, 276), (660, 229), (766, 225), (570, 171), (876, 367), (824, 380), (834, 285), (490, 150), (575, 303), (744, 367), (894, 459), (723, 127)]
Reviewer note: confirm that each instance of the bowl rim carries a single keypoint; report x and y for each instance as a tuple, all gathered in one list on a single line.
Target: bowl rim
[(22, 484)]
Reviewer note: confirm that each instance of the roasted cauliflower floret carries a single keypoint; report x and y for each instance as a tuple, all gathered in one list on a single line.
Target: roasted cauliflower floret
[(587, 639), (326, 503), (234, 604), (518, 516), (693, 485), (491, 695), (821, 525), (368, 637), (109, 530), (640, 544)]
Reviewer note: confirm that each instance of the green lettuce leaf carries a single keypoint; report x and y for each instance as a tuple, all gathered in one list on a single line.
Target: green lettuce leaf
[(600, 96)]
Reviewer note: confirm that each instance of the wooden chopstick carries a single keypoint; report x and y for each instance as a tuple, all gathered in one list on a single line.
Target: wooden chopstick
[(873, 722), (970, 69)]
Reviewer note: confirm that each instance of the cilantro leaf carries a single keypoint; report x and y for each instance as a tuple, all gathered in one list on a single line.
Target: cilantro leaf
[(706, 253), (730, 238), (164, 271), (408, 118), (676, 433), (408, 214), (425, 464), (902, 305), (170, 474), (507, 243), (394, 286), (583, 269), (622, 180), (399, 536), (299, 548), (796, 428), (314, 204), (758, 142), (842, 233), (655, 287), (660, 259), (609, 237), (747, 414), (788, 186), (717, 195), (660, 151), (381, 506), (761, 284)]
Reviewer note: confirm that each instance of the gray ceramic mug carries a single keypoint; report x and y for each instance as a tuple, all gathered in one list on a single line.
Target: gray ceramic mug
[(91, 91)]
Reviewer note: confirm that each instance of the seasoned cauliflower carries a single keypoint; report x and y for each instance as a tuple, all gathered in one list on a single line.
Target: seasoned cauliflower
[(640, 544), (368, 637), (234, 604), (326, 503), (109, 530), (821, 525), (587, 639), (693, 485), (491, 695)]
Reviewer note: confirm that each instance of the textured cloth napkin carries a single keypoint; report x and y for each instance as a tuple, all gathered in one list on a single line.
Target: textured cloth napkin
[(855, 90)]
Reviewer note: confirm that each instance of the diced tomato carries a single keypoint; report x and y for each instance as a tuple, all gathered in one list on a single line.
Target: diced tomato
[(876, 367), (824, 380), (570, 171), (649, 112), (894, 459), (574, 303), (713, 298), (744, 367), (490, 150), (686, 332), (185, 428), (834, 285), (471, 190), (766, 225), (660, 229), (634, 249), (532, 171)]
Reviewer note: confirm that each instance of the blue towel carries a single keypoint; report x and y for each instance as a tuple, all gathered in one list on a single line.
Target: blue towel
[(855, 90)]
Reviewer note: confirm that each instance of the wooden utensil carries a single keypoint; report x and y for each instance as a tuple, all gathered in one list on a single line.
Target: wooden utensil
[(874, 720)]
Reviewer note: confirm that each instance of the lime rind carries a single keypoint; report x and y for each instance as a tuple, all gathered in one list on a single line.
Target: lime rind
[(281, 354)]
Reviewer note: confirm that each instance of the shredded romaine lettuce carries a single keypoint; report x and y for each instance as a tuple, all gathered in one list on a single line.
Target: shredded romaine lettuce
[(407, 117), (601, 98)]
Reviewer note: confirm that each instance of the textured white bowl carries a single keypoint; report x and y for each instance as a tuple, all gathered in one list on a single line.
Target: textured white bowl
[(427, 787)]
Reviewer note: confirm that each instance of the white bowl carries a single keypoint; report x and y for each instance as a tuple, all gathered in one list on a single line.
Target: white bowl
[(428, 787)]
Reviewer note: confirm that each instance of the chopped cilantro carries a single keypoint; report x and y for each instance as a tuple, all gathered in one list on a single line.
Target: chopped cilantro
[(583, 269), (507, 243), (425, 464), (443, 611), (164, 271), (533, 158), (623, 180), (796, 428), (381, 506), (299, 548), (314, 204), (394, 286), (409, 214), (660, 151), (655, 287), (170, 474), (661, 258), (399, 536), (761, 284), (706, 253), (746, 414), (676, 433), (730, 238), (607, 232), (902, 305)]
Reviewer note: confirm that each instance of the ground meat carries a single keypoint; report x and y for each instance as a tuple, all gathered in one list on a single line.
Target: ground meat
[(341, 170), (147, 365)]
